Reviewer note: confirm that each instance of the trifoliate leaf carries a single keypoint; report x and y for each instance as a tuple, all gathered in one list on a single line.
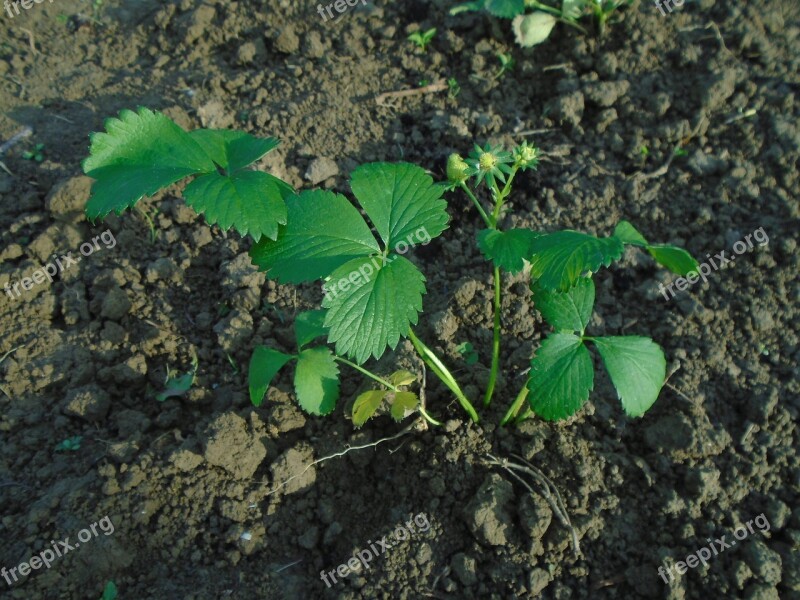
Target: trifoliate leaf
[(324, 231), (376, 311), (403, 404), (561, 377), (530, 30), (628, 234), (366, 405), (507, 249), (566, 311), (316, 381), (139, 154), (637, 367), (402, 201), (233, 150), (264, 365), (506, 9), (560, 258), (308, 326), (675, 259), (399, 378), (249, 201)]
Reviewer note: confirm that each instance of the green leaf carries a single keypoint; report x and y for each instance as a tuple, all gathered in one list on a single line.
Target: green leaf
[(637, 367), (178, 386), (308, 326), (402, 202), (250, 201), (467, 7), (566, 311), (110, 591), (399, 378), (506, 9), (316, 381), (377, 310), (572, 9), (561, 377), (139, 154), (233, 150), (531, 30), (560, 258), (404, 404), (323, 232), (628, 234), (366, 405), (264, 365), (507, 249), (675, 259)]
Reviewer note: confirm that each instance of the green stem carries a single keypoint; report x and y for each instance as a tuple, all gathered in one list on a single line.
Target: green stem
[(525, 415), (442, 373), (477, 204), (514, 409), (500, 196), (496, 341), (369, 374), (427, 417)]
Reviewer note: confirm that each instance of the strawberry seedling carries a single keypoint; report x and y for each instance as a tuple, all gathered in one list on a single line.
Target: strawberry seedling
[(561, 267), (372, 292)]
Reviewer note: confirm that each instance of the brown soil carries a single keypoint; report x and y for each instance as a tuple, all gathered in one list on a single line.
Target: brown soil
[(187, 482)]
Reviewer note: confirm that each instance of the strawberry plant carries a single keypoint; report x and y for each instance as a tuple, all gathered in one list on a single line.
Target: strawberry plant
[(372, 293), (534, 27), (561, 267)]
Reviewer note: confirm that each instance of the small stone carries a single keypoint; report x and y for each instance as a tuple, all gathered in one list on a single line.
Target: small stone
[(465, 569), (115, 304), (90, 403), (487, 515), (287, 41), (321, 169)]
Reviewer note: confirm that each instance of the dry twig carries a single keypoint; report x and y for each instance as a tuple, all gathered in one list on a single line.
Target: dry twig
[(437, 86)]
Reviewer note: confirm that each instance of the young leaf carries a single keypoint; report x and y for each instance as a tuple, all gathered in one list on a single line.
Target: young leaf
[(366, 405), (566, 311), (628, 234), (572, 9), (507, 249), (323, 232), (530, 30), (139, 154), (110, 591), (233, 150), (637, 368), (560, 258), (250, 201), (404, 404), (400, 199), (264, 365), (675, 259), (506, 9), (308, 326), (316, 381), (376, 311), (561, 377), (178, 386), (399, 378)]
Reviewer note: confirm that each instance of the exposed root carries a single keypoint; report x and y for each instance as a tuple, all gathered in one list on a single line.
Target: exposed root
[(417, 425), (437, 86), (549, 491)]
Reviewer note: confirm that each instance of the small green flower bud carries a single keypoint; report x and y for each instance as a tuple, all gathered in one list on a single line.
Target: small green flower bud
[(487, 161), (526, 156), (456, 169)]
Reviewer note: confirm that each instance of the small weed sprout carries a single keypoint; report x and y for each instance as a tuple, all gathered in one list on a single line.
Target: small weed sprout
[(37, 154), (72, 444), (507, 64), (421, 39)]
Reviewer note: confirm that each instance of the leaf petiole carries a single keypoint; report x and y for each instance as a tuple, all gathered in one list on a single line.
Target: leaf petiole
[(514, 408), (436, 365), (364, 371)]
